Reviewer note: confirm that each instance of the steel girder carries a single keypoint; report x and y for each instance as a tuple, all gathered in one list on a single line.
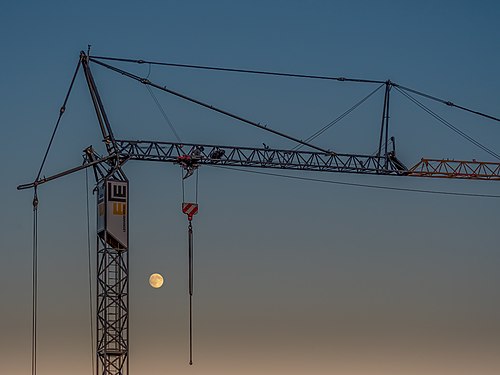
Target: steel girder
[(192, 155), (473, 170), (112, 309)]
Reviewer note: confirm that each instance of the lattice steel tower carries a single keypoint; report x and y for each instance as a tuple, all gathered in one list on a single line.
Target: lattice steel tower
[(112, 319)]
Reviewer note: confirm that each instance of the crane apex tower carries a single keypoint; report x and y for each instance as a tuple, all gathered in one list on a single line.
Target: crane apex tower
[(112, 213)]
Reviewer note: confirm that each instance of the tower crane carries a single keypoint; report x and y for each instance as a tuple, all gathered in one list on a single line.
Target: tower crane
[(112, 323)]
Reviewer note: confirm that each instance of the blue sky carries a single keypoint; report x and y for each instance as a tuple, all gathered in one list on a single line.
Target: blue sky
[(290, 275)]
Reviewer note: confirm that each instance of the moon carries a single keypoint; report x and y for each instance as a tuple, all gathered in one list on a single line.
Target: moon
[(156, 280)]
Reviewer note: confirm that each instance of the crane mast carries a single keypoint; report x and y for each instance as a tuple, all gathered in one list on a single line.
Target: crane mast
[(112, 315), (112, 324)]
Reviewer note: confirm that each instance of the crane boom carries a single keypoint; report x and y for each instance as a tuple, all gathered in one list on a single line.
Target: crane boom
[(189, 155), (192, 155)]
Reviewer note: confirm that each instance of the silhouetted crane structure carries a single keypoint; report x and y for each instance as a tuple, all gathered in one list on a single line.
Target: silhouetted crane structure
[(112, 184)]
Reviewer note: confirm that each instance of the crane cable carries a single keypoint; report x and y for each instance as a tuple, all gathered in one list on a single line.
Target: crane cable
[(160, 108), (236, 70), (368, 186), (34, 315), (336, 121), (61, 112), (448, 124), (294, 75), (446, 102), (163, 113), (184, 177), (89, 251), (190, 260), (190, 209), (208, 106)]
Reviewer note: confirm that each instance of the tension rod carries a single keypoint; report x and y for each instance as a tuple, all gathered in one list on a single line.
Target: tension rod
[(309, 76), (40, 181), (236, 70), (203, 104)]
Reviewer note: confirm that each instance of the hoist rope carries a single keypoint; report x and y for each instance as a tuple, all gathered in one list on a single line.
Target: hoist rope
[(183, 178), (34, 315), (89, 259), (182, 184), (196, 188), (336, 121), (449, 125), (190, 260), (61, 112), (380, 187), (163, 113)]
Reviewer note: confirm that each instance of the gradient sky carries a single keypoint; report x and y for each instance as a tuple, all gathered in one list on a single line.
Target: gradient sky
[(292, 277)]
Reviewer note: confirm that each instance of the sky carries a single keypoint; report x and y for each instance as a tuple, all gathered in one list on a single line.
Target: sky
[(291, 277)]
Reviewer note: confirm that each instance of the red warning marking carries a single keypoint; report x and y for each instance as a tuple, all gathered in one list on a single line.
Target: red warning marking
[(190, 209)]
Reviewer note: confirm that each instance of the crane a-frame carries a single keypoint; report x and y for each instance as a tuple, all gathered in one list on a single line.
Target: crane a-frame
[(112, 323)]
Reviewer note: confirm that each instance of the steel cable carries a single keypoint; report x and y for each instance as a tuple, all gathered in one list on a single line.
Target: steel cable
[(191, 262), (380, 187), (447, 102), (162, 111), (34, 316), (89, 256), (61, 112), (308, 76), (235, 70), (449, 125), (208, 106), (335, 121)]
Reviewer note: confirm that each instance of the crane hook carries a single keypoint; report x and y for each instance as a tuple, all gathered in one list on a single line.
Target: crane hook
[(190, 209)]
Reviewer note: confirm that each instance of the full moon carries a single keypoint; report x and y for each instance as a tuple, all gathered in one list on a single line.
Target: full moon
[(156, 280)]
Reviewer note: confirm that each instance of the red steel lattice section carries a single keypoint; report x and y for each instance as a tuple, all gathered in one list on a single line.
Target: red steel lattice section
[(473, 170)]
